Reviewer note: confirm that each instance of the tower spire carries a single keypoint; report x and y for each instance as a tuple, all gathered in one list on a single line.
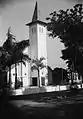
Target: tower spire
[(35, 14), (36, 17)]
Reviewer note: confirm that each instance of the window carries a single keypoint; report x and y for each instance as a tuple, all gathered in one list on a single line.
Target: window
[(33, 30), (40, 29)]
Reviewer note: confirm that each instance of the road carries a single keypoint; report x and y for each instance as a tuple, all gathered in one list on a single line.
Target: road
[(45, 107), (64, 108)]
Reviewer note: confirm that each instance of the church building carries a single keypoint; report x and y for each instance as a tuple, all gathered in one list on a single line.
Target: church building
[(36, 50)]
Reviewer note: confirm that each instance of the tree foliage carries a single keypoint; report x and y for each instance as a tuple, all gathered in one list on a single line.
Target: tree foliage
[(59, 76), (38, 63), (68, 26), (15, 49), (12, 52)]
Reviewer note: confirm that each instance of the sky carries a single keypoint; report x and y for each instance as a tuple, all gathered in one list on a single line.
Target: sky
[(17, 13)]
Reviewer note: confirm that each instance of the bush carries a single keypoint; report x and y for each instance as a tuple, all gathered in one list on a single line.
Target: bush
[(74, 88)]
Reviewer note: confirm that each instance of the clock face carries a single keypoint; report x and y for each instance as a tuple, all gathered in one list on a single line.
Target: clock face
[(44, 71)]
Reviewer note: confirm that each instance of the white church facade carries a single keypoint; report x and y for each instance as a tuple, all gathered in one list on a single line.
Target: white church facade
[(37, 49)]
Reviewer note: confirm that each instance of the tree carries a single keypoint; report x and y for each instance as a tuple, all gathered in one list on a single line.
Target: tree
[(12, 53), (59, 76), (4, 56), (37, 64), (8, 46), (68, 26)]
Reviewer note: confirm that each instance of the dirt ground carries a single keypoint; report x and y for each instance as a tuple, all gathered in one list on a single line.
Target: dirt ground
[(45, 107)]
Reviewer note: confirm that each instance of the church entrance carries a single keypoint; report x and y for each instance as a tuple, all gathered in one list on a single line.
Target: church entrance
[(43, 81), (34, 81)]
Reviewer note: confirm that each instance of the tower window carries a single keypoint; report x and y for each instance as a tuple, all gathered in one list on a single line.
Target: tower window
[(40, 29), (33, 30)]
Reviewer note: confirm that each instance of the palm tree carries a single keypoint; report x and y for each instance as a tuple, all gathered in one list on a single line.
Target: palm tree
[(8, 46), (10, 53), (15, 50), (37, 64), (18, 55)]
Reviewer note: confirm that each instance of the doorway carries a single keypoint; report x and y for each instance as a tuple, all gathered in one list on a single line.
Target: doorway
[(34, 81)]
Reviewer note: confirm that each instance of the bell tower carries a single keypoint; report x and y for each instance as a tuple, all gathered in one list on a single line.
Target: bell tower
[(37, 36)]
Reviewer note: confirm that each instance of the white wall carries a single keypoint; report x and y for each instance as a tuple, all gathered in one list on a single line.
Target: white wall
[(26, 70), (33, 50), (42, 48), (12, 77)]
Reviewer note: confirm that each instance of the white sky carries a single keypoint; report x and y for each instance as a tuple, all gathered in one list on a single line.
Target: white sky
[(16, 13)]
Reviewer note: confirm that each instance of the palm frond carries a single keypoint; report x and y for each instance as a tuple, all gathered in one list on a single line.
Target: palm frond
[(25, 57), (42, 66), (41, 59), (12, 52), (20, 46), (10, 42), (18, 58), (34, 67), (37, 63)]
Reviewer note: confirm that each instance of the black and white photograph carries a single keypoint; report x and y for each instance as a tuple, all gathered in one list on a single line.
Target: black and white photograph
[(41, 59)]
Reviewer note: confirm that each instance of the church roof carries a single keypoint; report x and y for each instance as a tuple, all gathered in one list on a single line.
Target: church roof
[(38, 21), (35, 18)]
